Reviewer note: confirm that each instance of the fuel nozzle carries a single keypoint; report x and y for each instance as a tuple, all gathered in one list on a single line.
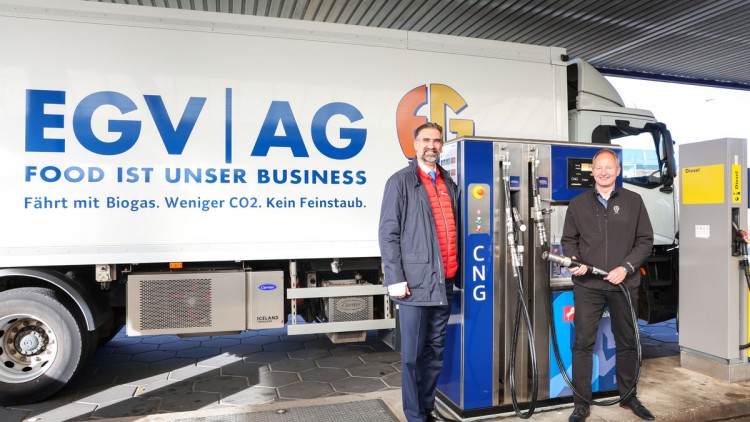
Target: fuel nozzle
[(739, 246), (564, 261), (740, 240)]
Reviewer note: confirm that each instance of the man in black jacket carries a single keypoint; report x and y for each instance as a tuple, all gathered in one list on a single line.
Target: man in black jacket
[(608, 228)]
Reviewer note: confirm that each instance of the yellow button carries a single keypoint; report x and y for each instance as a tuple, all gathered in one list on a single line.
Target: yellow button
[(478, 192)]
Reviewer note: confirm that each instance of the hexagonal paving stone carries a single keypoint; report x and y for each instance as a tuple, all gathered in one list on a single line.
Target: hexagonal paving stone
[(667, 335), (252, 395), (377, 344), (154, 390), (66, 412), (134, 406), (172, 364), (393, 380), (180, 345), (198, 352), (105, 349), (108, 395), (197, 339), (321, 343), (243, 369), (382, 357), (119, 341), (305, 390), (323, 374), (108, 358), (265, 357), (136, 348), (153, 356), (339, 362), (283, 346), (292, 365), (188, 401), (91, 377), (309, 354), (13, 415), (260, 340), (242, 349), (160, 339), (379, 347), (220, 342), (372, 370), (358, 385), (169, 388), (225, 385), (302, 338), (61, 406), (277, 379), (650, 342), (133, 372), (651, 351), (242, 334), (219, 360), (193, 373), (350, 350)]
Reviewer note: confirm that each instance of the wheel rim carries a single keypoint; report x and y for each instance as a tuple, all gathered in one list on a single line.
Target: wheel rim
[(28, 346)]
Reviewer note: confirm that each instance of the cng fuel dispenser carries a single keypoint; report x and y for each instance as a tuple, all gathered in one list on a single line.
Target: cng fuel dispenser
[(498, 351)]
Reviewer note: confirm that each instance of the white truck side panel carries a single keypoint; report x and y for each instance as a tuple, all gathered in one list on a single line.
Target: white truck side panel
[(73, 198)]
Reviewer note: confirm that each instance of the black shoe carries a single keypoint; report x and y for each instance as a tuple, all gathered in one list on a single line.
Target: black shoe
[(434, 416), (580, 413), (638, 408)]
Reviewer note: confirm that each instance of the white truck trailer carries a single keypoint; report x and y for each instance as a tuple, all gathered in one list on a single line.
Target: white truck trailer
[(203, 173)]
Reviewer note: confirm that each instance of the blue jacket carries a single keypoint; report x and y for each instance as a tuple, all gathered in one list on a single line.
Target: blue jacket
[(409, 244)]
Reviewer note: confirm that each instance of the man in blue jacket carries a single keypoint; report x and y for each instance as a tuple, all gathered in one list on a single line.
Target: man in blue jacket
[(609, 228), (418, 242)]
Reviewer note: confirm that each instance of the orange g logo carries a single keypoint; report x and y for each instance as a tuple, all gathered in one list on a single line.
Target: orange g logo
[(441, 99)]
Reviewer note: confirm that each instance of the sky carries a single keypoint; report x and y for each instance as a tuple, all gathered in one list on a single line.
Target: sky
[(692, 113)]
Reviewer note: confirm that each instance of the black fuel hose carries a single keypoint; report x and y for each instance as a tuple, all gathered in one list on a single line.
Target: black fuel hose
[(523, 309), (513, 222)]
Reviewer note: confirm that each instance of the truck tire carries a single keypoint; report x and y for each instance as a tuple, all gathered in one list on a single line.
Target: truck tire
[(42, 345)]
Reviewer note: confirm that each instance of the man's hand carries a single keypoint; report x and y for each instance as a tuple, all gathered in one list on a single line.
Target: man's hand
[(399, 290), (617, 275), (407, 293), (579, 270)]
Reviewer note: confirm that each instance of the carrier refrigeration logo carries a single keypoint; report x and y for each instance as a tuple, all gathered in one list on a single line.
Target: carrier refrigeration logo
[(443, 101)]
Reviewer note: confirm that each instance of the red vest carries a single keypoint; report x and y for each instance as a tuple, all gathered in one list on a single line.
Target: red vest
[(445, 222)]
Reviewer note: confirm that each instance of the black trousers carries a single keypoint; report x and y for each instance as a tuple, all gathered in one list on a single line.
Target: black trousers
[(589, 305)]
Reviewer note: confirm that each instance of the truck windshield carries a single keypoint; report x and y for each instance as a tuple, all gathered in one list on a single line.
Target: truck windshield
[(647, 154)]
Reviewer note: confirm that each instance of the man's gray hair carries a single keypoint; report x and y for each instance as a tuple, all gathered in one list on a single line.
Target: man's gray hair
[(607, 151)]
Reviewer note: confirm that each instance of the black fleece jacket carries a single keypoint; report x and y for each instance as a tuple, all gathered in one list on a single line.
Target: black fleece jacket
[(620, 235)]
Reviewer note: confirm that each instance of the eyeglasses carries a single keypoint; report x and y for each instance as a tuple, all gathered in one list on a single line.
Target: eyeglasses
[(430, 141)]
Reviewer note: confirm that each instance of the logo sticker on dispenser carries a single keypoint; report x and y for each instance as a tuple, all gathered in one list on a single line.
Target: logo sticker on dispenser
[(568, 313)]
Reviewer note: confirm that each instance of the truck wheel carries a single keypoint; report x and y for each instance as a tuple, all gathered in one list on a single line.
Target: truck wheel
[(42, 345)]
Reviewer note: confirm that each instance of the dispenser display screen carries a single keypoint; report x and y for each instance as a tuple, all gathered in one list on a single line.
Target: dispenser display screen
[(580, 173)]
